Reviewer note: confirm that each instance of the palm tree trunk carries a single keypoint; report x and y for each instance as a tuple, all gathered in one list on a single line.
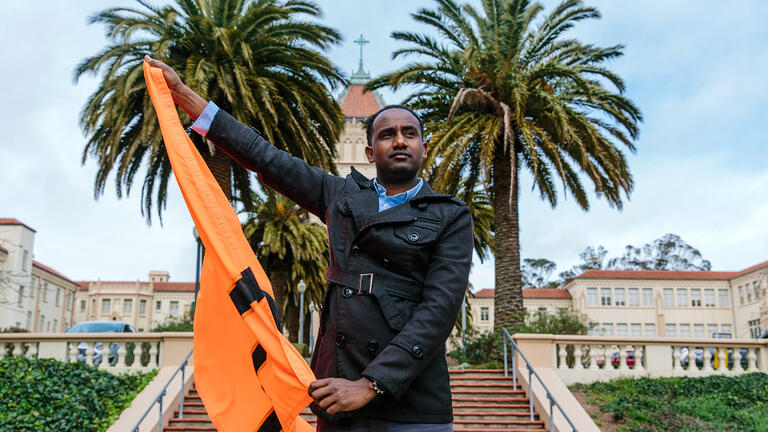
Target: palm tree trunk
[(278, 276), (220, 165), (508, 299)]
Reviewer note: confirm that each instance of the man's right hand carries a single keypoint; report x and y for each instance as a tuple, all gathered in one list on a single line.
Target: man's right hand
[(184, 96)]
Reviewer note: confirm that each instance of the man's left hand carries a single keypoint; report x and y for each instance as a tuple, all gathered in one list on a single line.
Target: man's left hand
[(335, 395)]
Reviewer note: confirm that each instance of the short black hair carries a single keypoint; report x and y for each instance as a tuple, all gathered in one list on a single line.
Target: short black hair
[(369, 122)]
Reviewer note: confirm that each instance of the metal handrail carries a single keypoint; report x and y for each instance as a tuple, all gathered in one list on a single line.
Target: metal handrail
[(159, 398), (531, 372)]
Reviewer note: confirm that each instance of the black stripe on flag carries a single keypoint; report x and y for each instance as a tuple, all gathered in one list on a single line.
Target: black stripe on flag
[(259, 356), (271, 424), (247, 290)]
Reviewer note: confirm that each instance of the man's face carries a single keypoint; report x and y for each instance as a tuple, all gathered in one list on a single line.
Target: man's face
[(396, 146)]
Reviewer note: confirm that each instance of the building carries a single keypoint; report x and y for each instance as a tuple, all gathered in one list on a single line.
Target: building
[(648, 303), (33, 296), (143, 304)]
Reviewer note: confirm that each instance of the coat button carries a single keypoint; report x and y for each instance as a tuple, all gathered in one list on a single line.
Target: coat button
[(355, 249), (413, 236), (386, 262), (373, 345), (341, 340), (417, 351), (347, 292)]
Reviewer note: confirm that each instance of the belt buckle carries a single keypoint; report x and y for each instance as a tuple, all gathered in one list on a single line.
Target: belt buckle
[(365, 284)]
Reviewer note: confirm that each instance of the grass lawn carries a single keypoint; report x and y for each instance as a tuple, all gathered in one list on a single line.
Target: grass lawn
[(714, 403)]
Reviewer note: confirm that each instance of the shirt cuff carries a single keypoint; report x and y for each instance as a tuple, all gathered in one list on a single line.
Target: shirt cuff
[(203, 123)]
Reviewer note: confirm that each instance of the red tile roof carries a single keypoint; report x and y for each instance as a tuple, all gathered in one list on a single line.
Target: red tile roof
[(357, 103), (175, 286), (550, 293), (51, 271), (12, 221), (661, 274)]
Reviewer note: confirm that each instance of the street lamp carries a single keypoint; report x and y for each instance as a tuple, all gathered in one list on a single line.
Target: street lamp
[(302, 288)]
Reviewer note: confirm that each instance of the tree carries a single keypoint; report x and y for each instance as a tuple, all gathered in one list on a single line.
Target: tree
[(257, 60), (502, 89), (536, 272), (591, 259), (290, 249), (669, 252)]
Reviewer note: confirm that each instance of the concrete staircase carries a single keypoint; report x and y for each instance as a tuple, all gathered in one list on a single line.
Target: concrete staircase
[(483, 401)]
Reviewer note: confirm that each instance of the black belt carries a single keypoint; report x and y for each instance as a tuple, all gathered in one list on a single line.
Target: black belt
[(367, 284)]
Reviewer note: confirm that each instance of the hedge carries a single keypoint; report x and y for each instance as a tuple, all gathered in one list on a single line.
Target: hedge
[(50, 395)]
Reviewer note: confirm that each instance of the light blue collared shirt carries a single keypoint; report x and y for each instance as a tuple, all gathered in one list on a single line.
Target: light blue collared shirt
[(203, 124)]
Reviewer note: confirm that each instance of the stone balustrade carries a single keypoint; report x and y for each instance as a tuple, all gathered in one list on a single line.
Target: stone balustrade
[(113, 352), (586, 359)]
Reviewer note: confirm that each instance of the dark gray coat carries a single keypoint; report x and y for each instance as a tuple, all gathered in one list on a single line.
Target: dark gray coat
[(396, 278)]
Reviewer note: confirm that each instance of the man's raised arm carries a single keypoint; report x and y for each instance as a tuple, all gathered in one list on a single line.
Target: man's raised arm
[(308, 186)]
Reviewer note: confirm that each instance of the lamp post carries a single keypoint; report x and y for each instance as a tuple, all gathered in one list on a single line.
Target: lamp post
[(302, 288)]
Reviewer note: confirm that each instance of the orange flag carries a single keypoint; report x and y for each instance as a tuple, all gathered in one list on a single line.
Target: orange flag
[(249, 376)]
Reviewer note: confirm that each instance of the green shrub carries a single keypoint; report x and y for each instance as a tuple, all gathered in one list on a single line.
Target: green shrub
[(714, 403), (302, 348), (49, 395)]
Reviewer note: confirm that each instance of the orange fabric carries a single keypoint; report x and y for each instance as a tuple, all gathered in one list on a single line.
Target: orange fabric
[(229, 345)]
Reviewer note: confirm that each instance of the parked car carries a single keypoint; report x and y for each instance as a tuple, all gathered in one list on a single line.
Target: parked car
[(98, 347)]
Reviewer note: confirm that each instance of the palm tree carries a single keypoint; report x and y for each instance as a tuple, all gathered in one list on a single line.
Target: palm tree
[(255, 59), (503, 88), (290, 248)]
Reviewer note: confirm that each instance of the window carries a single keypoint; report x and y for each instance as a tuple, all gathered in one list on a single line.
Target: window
[(709, 298), (48, 327), (741, 294), (618, 295), (670, 330), (722, 298), (754, 328), (634, 297), (35, 284), (174, 309), (711, 330), (55, 324), (621, 329), (24, 259), (29, 320), (127, 306), (484, 313), (82, 305), (696, 297), (756, 289), (21, 295), (607, 329), (725, 328), (594, 330), (698, 330), (142, 307), (682, 297), (636, 330), (685, 330), (42, 321), (106, 306), (605, 296), (591, 296), (45, 293), (70, 301), (749, 293), (650, 330), (158, 304), (647, 297), (58, 295), (668, 297)]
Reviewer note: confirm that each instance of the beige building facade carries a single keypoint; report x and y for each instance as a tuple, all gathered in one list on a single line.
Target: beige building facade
[(33, 296), (684, 304), (143, 304)]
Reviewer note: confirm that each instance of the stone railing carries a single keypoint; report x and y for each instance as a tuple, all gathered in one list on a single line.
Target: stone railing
[(113, 352), (586, 359)]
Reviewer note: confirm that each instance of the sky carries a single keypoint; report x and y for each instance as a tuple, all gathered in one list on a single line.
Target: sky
[(696, 69)]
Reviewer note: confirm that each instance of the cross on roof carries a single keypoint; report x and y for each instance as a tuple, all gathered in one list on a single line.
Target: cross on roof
[(361, 42)]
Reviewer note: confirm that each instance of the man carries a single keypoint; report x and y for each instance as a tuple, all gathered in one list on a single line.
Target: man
[(398, 268)]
